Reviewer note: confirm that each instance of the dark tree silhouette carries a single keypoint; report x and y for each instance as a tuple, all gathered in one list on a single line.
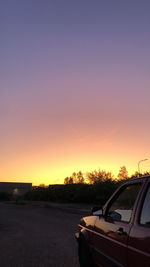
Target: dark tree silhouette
[(68, 180), (123, 173), (76, 178), (99, 176)]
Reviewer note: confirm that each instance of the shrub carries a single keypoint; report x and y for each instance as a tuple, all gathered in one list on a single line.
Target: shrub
[(82, 193)]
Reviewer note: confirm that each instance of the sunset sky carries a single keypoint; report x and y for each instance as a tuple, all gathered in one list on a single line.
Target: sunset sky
[(74, 88)]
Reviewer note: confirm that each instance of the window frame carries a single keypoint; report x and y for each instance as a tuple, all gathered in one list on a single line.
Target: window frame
[(116, 195), (141, 206)]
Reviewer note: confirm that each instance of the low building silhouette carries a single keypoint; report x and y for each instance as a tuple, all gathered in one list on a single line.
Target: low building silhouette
[(15, 188)]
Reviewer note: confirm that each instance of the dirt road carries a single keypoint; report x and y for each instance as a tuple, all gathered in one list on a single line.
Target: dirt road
[(34, 236)]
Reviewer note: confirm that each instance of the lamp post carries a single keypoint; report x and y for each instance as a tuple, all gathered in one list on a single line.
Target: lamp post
[(139, 164)]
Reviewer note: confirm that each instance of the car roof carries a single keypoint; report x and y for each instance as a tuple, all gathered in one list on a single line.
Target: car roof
[(138, 179)]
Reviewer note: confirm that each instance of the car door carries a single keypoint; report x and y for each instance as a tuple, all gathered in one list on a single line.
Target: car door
[(139, 240), (112, 229)]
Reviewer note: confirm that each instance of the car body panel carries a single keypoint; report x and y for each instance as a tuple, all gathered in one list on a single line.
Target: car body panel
[(108, 240), (139, 247)]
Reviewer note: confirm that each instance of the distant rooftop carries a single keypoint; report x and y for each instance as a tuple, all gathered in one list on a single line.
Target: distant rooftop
[(11, 187)]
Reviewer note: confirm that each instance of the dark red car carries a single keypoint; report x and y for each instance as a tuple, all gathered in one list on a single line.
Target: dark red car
[(119, 233)]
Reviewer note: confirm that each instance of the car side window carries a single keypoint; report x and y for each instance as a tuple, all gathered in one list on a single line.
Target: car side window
[(145, 213), (122, 206)]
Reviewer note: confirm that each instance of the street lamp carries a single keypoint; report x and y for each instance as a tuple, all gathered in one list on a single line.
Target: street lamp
[(139, 164)]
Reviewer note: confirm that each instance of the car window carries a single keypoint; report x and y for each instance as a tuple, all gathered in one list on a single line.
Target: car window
[(145, 213), (121, 208)]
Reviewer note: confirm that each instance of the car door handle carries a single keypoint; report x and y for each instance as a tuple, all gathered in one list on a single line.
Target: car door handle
[(121, 231)]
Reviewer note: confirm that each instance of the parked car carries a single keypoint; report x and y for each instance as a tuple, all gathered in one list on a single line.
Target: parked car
[(118, 234)]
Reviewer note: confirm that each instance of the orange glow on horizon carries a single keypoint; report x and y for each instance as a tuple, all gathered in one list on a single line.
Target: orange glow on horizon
[(48, 160), (48, 174)]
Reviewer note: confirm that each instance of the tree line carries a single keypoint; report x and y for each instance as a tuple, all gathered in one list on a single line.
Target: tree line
[(96, 176), (95, 187)]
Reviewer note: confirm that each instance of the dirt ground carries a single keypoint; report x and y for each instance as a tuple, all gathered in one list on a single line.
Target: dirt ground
[(37, 236)]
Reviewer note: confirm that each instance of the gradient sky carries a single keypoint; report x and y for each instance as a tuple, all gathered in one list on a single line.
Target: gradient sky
[(74, 87)]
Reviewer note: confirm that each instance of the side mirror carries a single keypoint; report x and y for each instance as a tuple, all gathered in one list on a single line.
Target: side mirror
[(114, 216), (97, 211)]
